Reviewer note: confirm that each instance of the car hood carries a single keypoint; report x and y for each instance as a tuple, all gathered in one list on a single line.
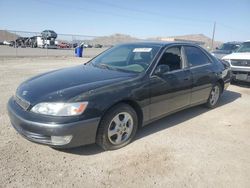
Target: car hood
[(222, 51), (64, 84), (243, 55)]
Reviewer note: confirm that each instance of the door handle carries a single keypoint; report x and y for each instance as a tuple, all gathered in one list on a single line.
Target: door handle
[(187, 78)]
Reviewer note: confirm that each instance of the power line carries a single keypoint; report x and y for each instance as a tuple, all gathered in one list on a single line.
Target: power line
[(148, 12), (158, 14), (233, 28), (87, 9), (132, 18)]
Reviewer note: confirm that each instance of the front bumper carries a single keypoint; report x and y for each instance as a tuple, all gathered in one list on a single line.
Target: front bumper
[(240, 73), (83, 132)]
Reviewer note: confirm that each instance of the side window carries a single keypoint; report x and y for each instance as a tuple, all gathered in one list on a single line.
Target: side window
[(195, 56), (172, 58)]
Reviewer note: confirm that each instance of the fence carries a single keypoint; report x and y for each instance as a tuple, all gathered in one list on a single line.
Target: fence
[(25, 43)]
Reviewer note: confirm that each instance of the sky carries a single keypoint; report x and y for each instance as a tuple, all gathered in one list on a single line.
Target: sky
[(138, 18)]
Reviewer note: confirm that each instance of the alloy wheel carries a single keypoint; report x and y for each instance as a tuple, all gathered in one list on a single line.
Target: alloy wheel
[(215, 94), (120, 128)]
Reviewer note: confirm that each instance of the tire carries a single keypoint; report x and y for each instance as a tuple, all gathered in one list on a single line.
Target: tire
[(214, 96), (117, 128), (233, 81)]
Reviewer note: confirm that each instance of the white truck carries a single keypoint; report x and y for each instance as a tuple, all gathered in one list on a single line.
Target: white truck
[(240, 62), (46, 43)]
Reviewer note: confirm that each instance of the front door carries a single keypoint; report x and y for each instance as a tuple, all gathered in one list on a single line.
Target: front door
[(171, 90)]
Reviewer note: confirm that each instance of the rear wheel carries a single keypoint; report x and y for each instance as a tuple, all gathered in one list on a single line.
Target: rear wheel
[(117, 128), (214, 96)]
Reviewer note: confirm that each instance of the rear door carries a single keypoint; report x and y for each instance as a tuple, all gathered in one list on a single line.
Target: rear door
[(201, 68)]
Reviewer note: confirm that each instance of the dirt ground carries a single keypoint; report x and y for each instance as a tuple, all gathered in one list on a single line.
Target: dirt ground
[(193, 148), (8, 51)]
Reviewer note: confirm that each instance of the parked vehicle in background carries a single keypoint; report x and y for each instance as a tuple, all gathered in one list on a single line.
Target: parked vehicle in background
[(98, 46), (33, 41), (87, 46), (46, 43), (74, 45), (49, 39), (6, 43), (48, 34), (21, 42), (12, 43), (106, 100), (240, 63), (40, 42), (64, 45), (225, 49)]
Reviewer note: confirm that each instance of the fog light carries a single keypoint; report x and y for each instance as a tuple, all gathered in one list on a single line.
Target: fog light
[(61, 140)]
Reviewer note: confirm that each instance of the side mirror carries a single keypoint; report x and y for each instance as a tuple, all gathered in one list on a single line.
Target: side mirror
[(217, 48), (161, 69)]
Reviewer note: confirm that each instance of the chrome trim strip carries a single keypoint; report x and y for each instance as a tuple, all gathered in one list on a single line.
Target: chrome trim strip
[(22, 102), (198, 66)]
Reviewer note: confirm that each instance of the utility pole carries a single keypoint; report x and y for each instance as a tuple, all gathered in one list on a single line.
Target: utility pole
[(212, 46)]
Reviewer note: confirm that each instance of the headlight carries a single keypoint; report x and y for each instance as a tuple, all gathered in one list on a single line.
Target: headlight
[(228, 60), (60, 109)]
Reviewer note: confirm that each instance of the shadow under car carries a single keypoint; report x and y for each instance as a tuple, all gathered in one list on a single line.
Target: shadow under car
[(164, 123)]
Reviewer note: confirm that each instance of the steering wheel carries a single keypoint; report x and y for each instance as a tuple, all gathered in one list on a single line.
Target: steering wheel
[(143, 64)]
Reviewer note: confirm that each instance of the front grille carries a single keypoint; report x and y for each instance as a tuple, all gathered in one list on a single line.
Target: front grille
[(22, 103), (241, 72), (243, 63)]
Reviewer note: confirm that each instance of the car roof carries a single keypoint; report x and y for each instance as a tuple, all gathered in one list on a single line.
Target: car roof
[(160, 43), (234, 42), (49, 31)]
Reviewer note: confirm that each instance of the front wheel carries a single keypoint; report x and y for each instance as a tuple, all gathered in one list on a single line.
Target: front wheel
[(214, 96), (117, 128)]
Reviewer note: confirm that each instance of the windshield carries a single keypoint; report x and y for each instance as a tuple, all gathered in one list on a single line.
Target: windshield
[(245, 47), (128, 57), (227, 46)]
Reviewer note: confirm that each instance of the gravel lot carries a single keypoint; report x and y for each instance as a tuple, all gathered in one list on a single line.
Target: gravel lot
[(7, 51), (193, 148)]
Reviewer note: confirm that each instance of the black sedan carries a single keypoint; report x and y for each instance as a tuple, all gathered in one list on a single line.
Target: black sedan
[(106, 100)]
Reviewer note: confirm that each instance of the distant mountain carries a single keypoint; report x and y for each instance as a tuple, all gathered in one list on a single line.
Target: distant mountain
[(121, 38), (7, 36), (113, 39), (192, 37)]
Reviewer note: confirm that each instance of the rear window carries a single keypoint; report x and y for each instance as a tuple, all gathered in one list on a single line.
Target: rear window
[(195, 56)]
